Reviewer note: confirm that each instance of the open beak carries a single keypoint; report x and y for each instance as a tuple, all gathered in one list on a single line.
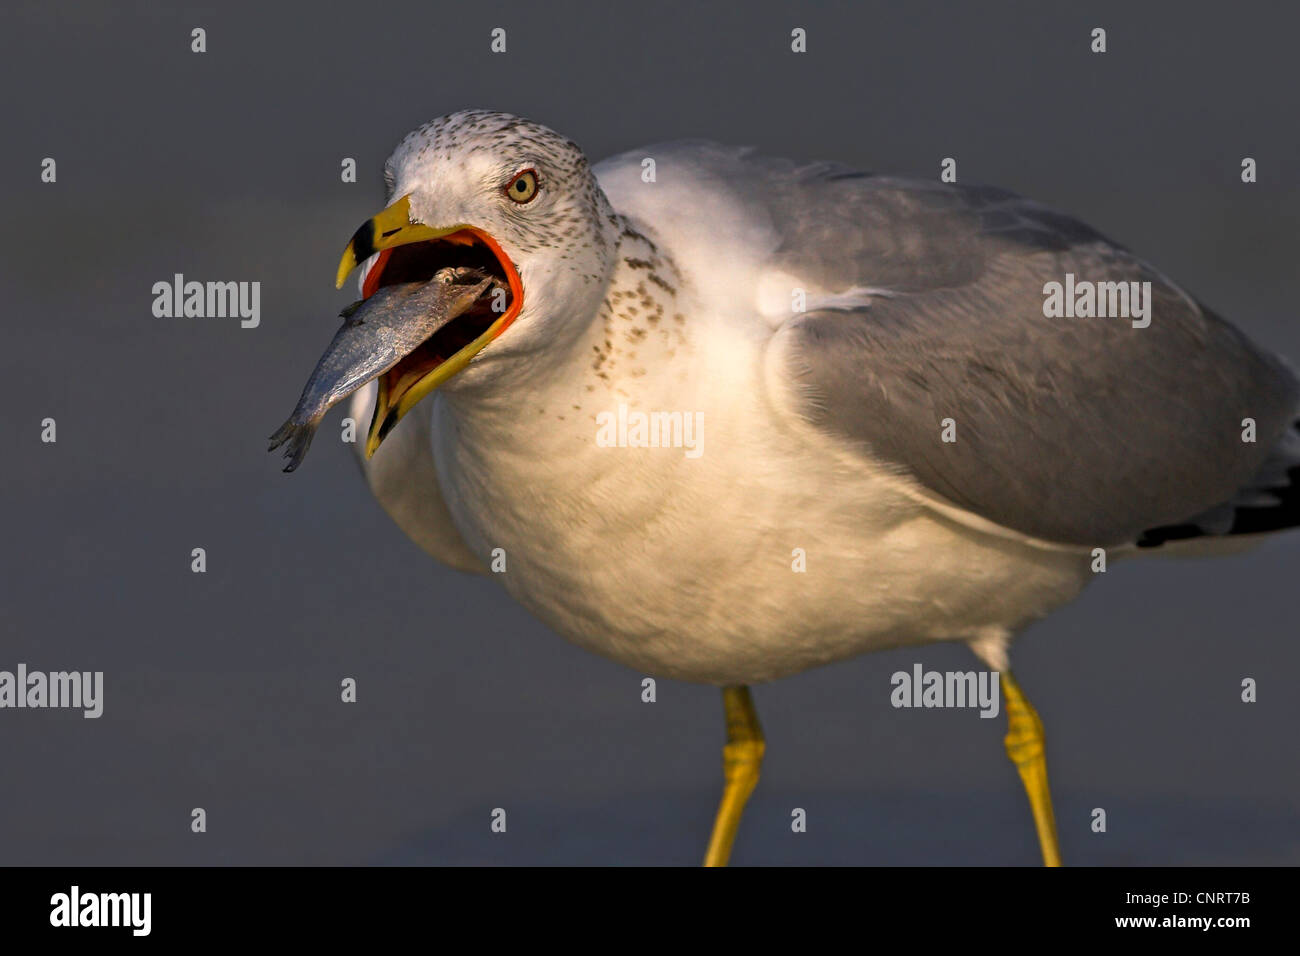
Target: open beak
[(413, 252)]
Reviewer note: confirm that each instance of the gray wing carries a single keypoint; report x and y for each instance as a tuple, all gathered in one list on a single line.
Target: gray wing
[(1082, 431)]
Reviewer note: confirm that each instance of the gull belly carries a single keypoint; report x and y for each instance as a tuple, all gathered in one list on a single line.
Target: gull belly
[(772, 551)]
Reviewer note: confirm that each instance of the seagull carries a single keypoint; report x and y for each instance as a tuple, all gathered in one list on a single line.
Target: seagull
[(722, 417)]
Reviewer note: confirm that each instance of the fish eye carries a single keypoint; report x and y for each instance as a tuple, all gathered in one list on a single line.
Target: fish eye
[(523, 188)]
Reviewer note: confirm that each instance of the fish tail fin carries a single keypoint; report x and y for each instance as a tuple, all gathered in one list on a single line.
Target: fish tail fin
[(297, 437)]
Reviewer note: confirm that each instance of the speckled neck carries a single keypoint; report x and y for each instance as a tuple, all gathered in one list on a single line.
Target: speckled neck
[(640, 313)]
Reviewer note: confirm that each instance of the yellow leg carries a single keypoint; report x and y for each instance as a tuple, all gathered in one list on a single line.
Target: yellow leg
[(741, 758), (1025, 748)]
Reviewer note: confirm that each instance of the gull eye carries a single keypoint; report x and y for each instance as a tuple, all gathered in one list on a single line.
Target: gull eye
[(523, 187)]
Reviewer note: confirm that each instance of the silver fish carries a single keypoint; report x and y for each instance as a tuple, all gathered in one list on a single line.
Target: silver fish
[(377, 333)]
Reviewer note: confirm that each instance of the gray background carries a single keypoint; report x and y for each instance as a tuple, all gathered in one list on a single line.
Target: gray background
[(223, 689)]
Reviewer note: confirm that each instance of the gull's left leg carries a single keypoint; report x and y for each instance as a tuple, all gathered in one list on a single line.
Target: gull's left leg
[(741, 758), (1024, 743)]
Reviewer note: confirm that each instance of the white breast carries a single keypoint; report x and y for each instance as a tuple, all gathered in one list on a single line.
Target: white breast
[(402, 478), (687, 566)]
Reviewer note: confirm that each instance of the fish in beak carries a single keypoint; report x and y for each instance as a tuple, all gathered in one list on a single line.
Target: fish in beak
[(377, 335), (433, 299)]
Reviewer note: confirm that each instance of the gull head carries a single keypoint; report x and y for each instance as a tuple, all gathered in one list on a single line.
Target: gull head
[(489, 194)]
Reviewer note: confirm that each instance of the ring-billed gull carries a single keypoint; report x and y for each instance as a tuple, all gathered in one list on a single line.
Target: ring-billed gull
[(723, 417)]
